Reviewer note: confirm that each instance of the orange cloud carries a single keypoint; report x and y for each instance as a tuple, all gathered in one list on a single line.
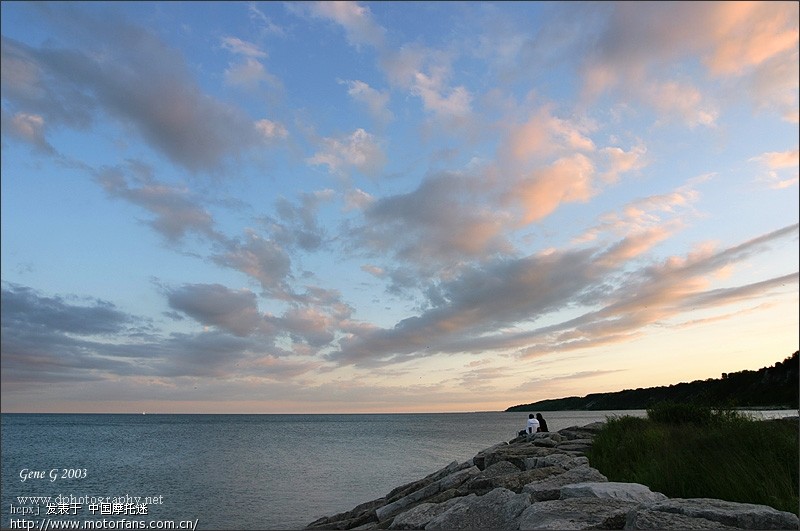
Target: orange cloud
[(747, 34), (543, 135), (568, 179), (781, 159)]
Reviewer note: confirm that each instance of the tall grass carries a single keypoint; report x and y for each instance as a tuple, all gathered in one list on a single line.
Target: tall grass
[(687, 451)]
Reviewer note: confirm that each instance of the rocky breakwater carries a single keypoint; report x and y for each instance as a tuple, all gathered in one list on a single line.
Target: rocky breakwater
[(544, 483)]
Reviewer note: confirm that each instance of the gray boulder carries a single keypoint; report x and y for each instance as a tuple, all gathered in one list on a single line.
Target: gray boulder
[(611, 489), (499, 469), (564, 461), (741, 515), (575, 445), (548, 439), (448, 482), (514, 481), (480, 458), (359, 515), (516, 454), (576, 513), (643, 518), (499, 509), (581, 432), (404, 490), (550, 488), (419, 516)]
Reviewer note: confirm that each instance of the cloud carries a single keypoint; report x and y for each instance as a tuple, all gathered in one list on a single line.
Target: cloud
[(775, 161), (262, 259), (686, 102), (240, 47), (567, 180), (138, 80), (543, 136), (780, 159), (478, 301), (376, 101), (356, 20), (27, 127), (271, 130), (374, 270), (493, 307), (235, 311), (644, 215), (426, 73), (176, 212), (357, 199), (249, 73), (621, 161), (637, 47), (23, 306), (90, 341), (262, 255), (359, 150), (747, 34), (444, 220), (266, 25), (53, 339), (309, 325), (440, 99), (297, 225)]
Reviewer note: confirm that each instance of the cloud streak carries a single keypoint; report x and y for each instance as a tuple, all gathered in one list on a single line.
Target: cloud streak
[(471, 312)]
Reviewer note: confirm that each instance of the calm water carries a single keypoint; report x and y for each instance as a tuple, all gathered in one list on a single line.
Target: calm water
[(248, 471)]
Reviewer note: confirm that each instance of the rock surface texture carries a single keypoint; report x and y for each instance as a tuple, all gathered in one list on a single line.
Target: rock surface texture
[(544, 482)]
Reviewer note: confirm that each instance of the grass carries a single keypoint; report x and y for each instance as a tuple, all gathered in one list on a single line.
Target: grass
[(687, 451)]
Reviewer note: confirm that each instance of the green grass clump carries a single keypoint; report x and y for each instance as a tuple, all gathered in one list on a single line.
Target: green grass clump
[(687, 451)]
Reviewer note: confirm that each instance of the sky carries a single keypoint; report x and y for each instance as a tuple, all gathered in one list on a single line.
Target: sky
[(355, 207)]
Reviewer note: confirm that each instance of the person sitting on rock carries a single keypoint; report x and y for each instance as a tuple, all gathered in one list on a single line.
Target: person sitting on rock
[(533, 425), (542, 422)]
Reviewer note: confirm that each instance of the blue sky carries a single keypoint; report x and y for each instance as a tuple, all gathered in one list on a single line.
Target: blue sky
[(392, 207)]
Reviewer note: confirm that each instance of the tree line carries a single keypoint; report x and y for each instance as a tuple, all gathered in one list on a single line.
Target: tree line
[(770, 387)]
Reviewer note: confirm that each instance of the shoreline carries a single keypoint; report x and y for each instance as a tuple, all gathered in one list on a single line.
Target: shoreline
[(544, 482)]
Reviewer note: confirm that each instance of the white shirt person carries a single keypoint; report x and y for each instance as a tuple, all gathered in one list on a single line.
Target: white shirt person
[(533, 424)]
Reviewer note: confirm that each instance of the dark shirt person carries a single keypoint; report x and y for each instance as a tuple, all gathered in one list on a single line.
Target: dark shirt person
[(542, 422)]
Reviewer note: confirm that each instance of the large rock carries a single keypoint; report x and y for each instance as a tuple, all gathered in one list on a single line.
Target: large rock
[(359, 515), (576, 513), (643, 518), (575, 446), (550, 488), (419, 516), (741, 515), (514, 481), (611, 489), (499, 509), (480, 458), (404, 490), (540, 439), (448, 482), (515, 454), (582, 432), (499, 469), (564, 461)]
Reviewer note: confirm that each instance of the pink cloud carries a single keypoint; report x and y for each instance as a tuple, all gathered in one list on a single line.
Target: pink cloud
[(746, 34), (544, 135), (567, 180)]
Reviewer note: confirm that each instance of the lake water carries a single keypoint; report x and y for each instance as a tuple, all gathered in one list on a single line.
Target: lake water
[(240, 471)]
